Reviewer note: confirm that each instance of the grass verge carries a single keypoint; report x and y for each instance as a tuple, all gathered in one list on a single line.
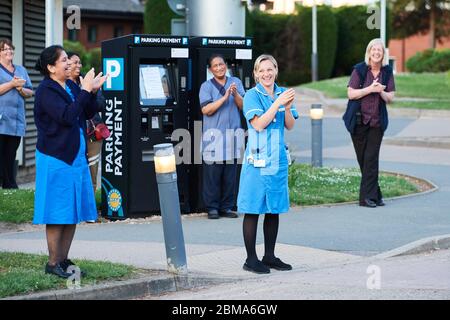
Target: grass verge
[(312, 186), (22, 273), (434, 86), (308, 186)]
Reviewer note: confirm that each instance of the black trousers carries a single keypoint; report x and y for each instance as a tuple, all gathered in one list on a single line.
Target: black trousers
[(219, 186), (367, 143), (8, 150)]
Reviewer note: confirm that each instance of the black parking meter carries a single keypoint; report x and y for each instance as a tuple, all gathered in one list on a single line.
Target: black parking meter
[(237, 53), (146, 101)]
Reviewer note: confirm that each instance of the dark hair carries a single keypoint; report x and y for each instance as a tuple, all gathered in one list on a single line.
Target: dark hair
[(48, 56), (70, 54), (213, 56), (6, 41)]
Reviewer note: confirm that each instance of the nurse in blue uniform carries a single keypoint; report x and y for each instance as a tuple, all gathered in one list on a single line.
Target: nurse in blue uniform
[(64, 196), (263, 187)]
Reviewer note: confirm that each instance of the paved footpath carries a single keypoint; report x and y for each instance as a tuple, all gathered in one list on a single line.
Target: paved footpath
[(318, 241)]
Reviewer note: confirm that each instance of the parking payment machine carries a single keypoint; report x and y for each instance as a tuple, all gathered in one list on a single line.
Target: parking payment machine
[(146, 100), (237, 53)]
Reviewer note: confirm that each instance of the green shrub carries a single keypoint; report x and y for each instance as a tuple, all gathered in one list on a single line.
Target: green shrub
[(95, 59), (89, 59), (429, 60), (299, 34), (353, 37), (158, 16)]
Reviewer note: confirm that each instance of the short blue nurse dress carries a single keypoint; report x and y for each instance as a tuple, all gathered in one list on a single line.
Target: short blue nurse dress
[(64, 193), (264, 189)]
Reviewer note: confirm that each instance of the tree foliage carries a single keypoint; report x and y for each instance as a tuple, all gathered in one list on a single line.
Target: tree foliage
[(421, 16)]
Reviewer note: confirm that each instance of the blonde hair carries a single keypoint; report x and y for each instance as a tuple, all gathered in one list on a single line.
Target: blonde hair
[(373, 42), (260, 59)]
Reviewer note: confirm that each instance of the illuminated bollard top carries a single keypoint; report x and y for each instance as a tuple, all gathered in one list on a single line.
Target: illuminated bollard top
[(164, 158), (316, 112)]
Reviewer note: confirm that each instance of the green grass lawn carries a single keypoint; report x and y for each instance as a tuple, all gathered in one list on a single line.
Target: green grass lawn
[(311, 186), (308, 186), (430, 105), (434, 86), (22, 273), (16, 205)]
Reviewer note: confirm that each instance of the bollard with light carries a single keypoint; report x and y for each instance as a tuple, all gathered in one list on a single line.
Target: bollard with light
[(166, 177), (316, 114)]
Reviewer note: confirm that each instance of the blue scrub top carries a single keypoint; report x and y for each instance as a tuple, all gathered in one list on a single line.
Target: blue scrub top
[(12, 104), (264, 189), (217, 144)]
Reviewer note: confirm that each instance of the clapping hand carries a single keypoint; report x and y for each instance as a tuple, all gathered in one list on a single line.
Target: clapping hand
[(376, 87), (92, 82), (286, 98), (233, 89), (99, 80), (18, 83)]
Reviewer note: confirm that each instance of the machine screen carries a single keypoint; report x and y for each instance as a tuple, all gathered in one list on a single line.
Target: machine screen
[(155, 86)]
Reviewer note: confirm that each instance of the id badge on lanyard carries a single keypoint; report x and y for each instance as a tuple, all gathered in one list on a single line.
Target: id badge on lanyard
[(254, 158)]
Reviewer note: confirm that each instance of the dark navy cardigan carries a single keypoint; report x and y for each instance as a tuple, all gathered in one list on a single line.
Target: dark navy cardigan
[(59, 119), (354, 106)]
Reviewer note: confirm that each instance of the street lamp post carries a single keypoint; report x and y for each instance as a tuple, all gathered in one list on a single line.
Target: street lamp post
[(383, 28), (314, 58), (166, 177), (316, 114)]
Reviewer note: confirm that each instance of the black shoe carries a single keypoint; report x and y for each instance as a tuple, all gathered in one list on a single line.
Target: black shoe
[(277, 264), (368, 203), (227, 214), (57, 270), (380, 203), (256, 267), (213, 214), (66, 263)]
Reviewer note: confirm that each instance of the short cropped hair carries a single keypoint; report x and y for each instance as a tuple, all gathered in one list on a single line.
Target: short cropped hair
[(7, 42), (213, 56)]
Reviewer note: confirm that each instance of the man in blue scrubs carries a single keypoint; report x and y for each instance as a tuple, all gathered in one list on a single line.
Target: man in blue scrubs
[(221, 104)]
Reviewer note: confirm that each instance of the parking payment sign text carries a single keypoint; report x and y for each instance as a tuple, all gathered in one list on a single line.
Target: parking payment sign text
[(114, 68)]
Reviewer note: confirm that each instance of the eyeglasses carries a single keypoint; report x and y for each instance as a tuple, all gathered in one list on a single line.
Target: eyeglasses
[(8, 49)]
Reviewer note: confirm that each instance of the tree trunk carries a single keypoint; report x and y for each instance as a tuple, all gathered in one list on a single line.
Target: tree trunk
[(432, 32)]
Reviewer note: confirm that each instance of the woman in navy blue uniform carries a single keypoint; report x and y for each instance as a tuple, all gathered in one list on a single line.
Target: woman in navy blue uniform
[(64, 196)]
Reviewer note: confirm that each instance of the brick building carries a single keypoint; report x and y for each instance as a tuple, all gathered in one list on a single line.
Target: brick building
[(104, 19), (403, 49)]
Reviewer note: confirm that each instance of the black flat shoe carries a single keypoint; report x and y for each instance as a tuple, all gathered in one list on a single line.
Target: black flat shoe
[(66, 263), (213, 214), (277, 264), (227, 214), (368, 203), (57, 270), (256, 267), (380, 203)]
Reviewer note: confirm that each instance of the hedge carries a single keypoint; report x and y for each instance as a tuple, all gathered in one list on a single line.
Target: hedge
[(353, 37), (158, 16), (429, 61), (288, 38)]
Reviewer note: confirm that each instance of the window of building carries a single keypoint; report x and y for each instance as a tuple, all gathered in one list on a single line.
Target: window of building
[(92, 34), (118, 31), (73, 35)]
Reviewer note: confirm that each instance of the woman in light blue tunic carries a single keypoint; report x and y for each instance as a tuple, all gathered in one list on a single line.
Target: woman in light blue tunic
[(15, 86), (263, 187), (64, 196)]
